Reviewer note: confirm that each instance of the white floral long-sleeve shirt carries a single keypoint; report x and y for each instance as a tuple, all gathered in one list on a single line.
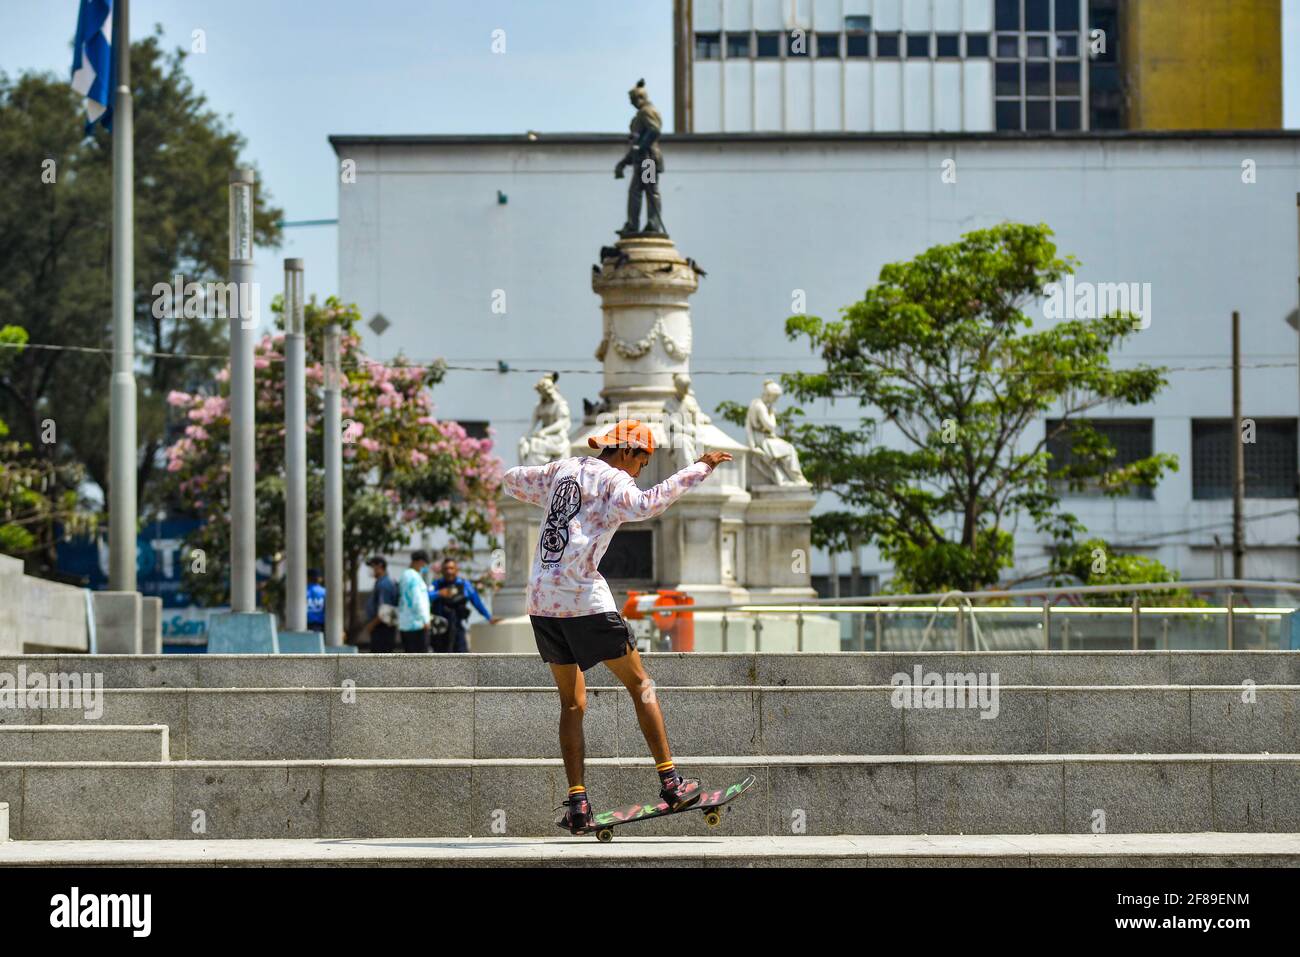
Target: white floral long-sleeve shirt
[(586, 500)]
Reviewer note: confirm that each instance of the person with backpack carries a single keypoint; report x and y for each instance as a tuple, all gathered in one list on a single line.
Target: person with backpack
[(451, 597), (381, 608)]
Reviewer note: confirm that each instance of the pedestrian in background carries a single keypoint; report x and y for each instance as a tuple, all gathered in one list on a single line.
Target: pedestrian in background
[(315, 601), (450, 597), (413, 605), (381, 608)]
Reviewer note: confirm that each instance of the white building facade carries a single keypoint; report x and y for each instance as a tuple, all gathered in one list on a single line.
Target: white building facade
[(888, 65), (479, 249)]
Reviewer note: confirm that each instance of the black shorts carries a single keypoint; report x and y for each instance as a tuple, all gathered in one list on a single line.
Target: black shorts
[(584, 641)]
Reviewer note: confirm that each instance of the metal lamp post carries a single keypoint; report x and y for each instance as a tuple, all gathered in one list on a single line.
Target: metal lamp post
[(295, 449)]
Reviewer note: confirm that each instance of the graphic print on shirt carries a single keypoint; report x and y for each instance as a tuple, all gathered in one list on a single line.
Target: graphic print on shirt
[(565, 502)]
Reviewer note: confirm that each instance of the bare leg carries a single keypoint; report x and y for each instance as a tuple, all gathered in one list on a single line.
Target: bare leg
[(573, 705), (629, 670)]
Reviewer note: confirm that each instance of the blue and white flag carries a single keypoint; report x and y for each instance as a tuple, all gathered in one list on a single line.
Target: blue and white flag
[(92, 61)]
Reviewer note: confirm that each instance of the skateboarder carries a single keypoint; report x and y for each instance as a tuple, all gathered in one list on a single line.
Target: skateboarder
[(575, 621)]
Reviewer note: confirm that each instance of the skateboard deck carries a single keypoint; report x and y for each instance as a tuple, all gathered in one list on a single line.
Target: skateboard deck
[(710, 805)]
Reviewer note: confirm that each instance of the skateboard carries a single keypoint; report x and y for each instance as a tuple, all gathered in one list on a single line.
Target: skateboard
[(711, 803)]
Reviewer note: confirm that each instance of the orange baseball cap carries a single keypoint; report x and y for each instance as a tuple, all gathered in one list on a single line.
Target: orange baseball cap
[(627, 434)]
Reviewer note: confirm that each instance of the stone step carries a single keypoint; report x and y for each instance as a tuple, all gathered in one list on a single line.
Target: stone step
[(1045, 794), (87, 742), (502, 670), (391, 723), (928, 850)]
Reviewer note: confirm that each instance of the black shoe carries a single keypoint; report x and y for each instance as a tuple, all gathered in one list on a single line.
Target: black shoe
[(577, 817)]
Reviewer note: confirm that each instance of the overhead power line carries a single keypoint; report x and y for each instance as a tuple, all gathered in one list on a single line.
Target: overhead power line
[(543, 370)]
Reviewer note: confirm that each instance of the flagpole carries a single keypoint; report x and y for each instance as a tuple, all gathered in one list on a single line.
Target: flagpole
[(122, 423)]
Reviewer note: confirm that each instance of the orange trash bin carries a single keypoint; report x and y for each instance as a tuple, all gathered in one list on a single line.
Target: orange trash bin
[(680, 625)]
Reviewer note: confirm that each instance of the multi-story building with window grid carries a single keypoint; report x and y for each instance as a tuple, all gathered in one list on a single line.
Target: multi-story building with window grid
[(976, 65)]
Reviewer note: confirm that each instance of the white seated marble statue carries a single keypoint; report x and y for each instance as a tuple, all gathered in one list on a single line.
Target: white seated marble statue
[(772, 460), (683, 418), (548, 435)]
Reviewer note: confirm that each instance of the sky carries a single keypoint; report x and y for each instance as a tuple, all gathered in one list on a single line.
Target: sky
[(289, 73)]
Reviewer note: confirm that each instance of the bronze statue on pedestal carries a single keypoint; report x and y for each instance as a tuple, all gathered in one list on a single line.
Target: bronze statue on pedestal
[(647, 161)]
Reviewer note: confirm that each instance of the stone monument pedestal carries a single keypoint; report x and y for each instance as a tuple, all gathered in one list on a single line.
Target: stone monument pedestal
[(724, 542)]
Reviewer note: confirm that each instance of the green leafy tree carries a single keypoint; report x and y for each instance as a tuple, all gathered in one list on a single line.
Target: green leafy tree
[(55, 257), (404, 470), (38, 501), (1094, 562), (941, 352)]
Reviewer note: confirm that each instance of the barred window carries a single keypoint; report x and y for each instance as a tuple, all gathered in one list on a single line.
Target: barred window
[(1270, 459), (708, 46), (1132, 440)]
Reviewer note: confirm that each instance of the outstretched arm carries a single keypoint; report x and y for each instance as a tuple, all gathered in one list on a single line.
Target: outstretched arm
[(472, 594), (528, 483), (634, 505)]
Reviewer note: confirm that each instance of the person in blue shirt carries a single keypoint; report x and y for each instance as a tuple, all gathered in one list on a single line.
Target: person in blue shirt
[(315, 601), (450, 596)]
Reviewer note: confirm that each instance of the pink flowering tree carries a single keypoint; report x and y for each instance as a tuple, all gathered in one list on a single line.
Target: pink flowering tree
[(404, 470)]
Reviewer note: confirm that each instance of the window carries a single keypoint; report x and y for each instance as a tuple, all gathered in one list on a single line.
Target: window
[(1038, 14), (857, 24), (1069, 115), (1008, 79), (1038, 115), (1067, 79), (887, 45), (1067, 14), (708, 46), (1130, 438), (769, 45), (949, 45), (1007, 15), (857, 44), (1038, 79), (740, 46), (1106, 21), (977, 44), (1104, 77), (1033, 39), (918, 45), (828, 45), (1008, 114), (1270, 459)]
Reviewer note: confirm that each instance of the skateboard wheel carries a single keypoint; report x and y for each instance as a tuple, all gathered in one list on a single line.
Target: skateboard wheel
[(605, 835), (712, 818)]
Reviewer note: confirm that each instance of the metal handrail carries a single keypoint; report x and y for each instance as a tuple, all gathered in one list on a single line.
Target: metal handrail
[(939, 597), (962, 604)]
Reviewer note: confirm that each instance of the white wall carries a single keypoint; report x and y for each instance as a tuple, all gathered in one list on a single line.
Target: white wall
[(423, 239)]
